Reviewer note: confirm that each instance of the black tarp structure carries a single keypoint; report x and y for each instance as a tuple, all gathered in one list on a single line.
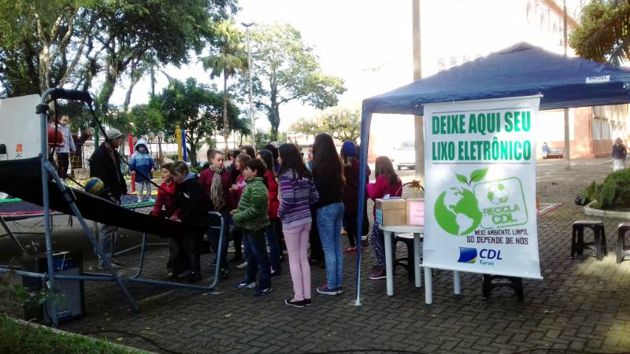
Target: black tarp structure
[(22, 179), (521, 70)]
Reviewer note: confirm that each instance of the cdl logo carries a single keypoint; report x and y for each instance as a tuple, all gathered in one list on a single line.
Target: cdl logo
[(469, 255), (487, 253)]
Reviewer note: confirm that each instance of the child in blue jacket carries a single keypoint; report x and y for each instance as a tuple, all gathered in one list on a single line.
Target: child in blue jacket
[(141, 163)]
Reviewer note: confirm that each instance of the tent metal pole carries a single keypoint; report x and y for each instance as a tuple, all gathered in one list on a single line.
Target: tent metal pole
[(567, 131), (366, 118)]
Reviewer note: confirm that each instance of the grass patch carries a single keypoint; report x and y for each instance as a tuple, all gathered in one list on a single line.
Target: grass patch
[(18, 338)]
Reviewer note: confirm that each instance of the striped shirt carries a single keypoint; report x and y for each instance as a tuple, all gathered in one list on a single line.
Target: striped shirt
[(297, 196)]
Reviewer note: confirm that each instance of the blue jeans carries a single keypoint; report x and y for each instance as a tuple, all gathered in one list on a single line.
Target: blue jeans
[(257, 258), (329, 219), (274, 248)]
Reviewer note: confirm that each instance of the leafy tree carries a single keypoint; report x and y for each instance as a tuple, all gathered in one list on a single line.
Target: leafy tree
[(285, 69), (228, 58), (306, 126), (142, 119), (53, 43), (41, 42), (605, 31), (194, 108), (264, 138), (341, 123)]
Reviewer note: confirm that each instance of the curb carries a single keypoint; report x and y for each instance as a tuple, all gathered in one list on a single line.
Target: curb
[(605, 213), (72, 334)]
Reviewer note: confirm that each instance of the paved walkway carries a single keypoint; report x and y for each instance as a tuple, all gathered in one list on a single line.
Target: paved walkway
[(580, 305)]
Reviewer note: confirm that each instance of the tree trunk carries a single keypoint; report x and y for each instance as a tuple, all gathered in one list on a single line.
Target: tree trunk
[(108, 87), (132, 84), (274, 119), (225, 113), (192, 155), (44, 67)]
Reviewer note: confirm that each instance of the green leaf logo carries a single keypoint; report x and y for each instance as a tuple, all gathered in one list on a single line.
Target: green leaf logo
[(461, 178), (478, 175)]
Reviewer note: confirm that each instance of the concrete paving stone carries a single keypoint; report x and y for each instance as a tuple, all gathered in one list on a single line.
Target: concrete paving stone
[(502, 347), (580, 304), (449, 345), (430, 348)]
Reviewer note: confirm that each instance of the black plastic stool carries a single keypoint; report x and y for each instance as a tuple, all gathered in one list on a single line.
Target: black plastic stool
[(599, 235), (495, 281), (405, 262), (622, 251)]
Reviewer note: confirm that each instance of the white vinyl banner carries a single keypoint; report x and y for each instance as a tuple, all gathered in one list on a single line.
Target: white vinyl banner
[(480, 166), (19, 127)]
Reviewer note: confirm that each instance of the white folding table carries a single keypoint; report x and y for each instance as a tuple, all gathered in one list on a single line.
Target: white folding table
[(417, 231)]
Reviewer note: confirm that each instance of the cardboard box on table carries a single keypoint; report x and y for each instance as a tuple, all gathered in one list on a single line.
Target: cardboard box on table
[(391, 212), (415, 211)]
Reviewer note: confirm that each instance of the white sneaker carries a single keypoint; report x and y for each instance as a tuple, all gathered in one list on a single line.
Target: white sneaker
[(242, 265)]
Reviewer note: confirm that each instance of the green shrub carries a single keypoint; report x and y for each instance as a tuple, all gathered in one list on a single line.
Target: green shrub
[(613, 193), (21, 338), (18, 338)]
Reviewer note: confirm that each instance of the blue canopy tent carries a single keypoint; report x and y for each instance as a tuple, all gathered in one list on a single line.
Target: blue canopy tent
[(521, 70)]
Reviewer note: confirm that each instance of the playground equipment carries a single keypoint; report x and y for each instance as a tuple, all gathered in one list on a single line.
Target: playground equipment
[(35, 180)]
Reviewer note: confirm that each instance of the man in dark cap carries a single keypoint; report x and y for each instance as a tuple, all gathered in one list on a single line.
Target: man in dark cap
[(105, 164)]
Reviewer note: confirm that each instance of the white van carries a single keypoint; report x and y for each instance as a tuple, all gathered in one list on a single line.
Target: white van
[(404, 155)]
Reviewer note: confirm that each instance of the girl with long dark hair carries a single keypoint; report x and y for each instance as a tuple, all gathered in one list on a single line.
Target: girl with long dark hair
[(329, 180), (387, 184), (298, 193), (273, 230), (350, 164)]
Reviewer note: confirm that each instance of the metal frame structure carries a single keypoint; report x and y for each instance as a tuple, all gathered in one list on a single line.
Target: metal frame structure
[(48, 171), (143, 247)]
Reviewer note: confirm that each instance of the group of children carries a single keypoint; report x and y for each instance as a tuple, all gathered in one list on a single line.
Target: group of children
[(269, 193)]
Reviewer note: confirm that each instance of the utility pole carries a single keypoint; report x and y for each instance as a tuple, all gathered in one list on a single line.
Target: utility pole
[(567, 140), (417, 75), (249, 73)]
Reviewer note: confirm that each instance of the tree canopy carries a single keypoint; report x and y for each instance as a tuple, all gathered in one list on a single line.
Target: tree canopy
[(605, 32), (195, 108), (284, 69), (228, 58), (341, 123), (67, 43)]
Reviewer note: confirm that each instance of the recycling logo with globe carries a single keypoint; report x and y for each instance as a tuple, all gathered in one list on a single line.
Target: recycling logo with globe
[(457, 209), (502, 203)]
